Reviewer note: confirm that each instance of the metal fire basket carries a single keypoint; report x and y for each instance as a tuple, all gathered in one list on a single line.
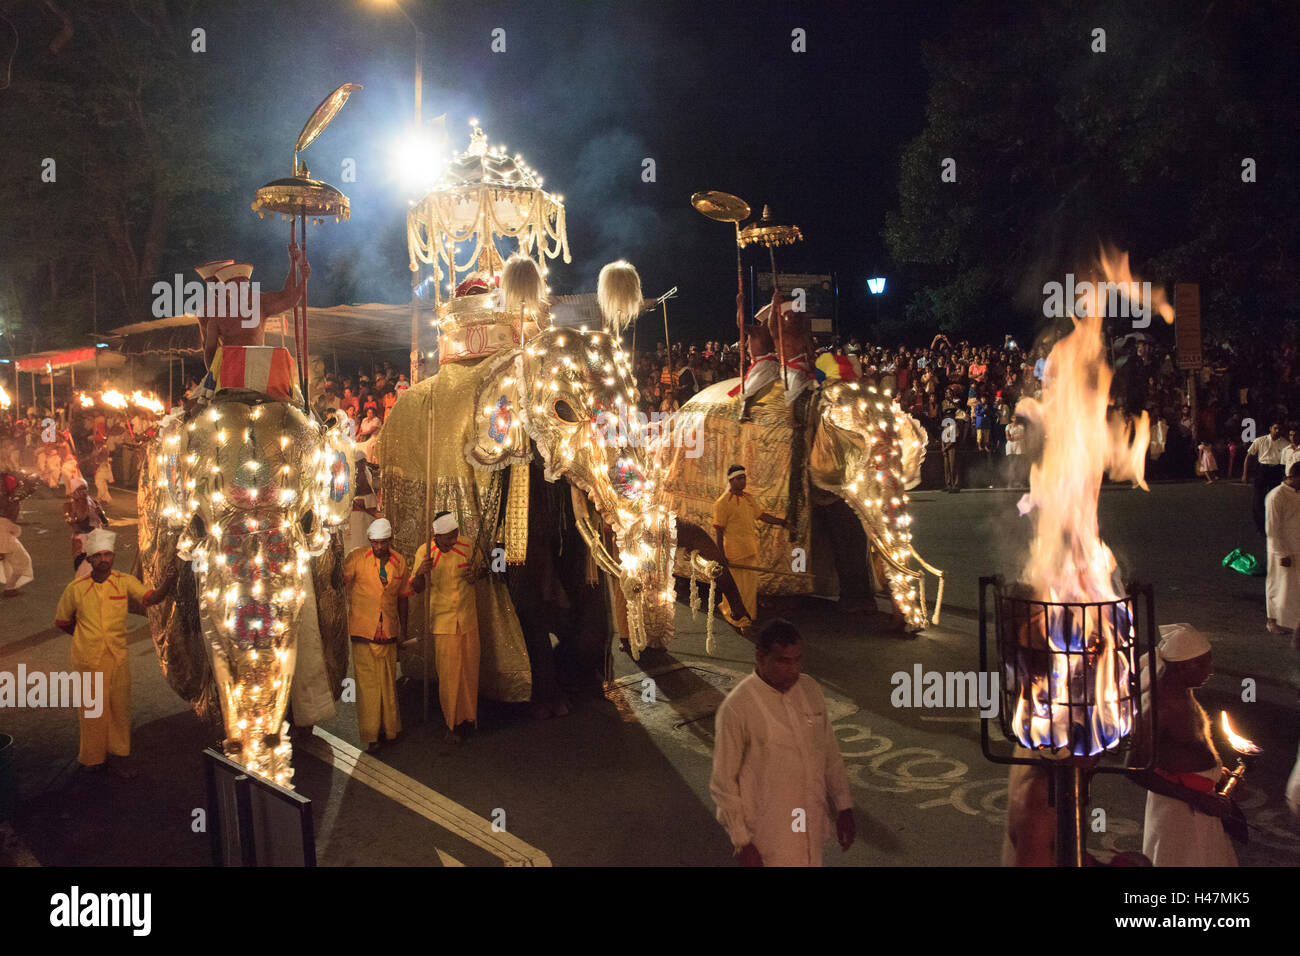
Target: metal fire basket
[(1072, 690)]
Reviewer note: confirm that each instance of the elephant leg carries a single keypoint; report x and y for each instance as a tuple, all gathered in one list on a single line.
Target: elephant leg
[(580, 656), (541, 658), (841, 528), (798, 455)]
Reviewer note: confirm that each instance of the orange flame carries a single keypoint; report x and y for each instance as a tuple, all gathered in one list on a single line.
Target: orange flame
[(1083, 439), (149, 402), (1239, 743), (5, 400), (85, 400), (113, 399), (1115, 266)]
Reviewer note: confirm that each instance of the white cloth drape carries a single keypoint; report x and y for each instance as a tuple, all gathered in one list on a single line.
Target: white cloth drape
[(776, 762), (1282, 529)]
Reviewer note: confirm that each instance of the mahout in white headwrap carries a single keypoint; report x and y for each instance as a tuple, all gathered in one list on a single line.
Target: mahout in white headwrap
[(1181, 642), (101, 539), (444, 522), (379, 529)]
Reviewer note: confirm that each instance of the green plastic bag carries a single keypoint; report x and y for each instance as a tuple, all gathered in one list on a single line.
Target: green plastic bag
[(1244, 563)]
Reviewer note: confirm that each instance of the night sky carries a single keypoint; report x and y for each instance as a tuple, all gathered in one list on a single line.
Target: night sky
[(585, 91)]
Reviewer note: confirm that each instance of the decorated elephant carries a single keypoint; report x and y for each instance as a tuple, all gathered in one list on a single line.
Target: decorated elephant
[(861, 454), (514, 434), (250, 491)]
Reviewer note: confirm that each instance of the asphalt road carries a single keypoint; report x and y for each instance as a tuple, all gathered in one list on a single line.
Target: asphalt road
[(624, 779)]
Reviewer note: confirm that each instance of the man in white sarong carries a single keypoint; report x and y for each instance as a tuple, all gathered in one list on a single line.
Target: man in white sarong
[(1282, 530), (15, 562), (776, 761), (1174, 832)]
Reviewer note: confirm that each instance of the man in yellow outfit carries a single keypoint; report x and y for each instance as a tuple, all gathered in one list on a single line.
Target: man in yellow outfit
[(93, 610), (377, 586), (735, 521), (453, 620)]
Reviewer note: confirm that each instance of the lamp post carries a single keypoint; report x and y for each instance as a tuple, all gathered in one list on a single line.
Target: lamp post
[(415, 275), (876, 286)]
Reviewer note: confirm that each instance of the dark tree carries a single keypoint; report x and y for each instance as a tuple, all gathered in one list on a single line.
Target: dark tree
[(1059, 148)]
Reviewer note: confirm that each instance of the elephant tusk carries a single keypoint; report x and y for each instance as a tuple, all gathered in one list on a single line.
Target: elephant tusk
[(586, 527)]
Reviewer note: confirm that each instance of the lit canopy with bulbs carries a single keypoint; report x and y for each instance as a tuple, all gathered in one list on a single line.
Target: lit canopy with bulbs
[(483, 194)]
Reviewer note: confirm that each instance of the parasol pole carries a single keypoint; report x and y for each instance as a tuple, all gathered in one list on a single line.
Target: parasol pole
[(740, 312), (305, 371), (776, 315)]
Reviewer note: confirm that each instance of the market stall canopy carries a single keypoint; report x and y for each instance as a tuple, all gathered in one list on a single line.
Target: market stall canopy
[(366, 327), (67, 358)]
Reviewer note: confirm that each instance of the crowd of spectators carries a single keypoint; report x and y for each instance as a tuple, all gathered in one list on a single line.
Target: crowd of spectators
[(365, 398), (1239, 390)]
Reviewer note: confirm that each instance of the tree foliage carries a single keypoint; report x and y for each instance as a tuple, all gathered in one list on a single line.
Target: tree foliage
[(108, 91), (1059, 148)]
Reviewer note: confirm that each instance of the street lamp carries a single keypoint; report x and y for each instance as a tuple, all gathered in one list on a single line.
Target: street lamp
[(415, 276), (876, 287)]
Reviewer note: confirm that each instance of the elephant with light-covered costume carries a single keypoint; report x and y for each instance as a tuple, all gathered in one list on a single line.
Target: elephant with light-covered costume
[(861, 454), (249, 492), (569, 523)]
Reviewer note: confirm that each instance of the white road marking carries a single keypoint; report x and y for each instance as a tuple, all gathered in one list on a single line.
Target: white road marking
[(428, 803)]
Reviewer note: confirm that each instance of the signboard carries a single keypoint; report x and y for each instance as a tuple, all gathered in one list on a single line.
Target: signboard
[(1187, 325), (818, 293)]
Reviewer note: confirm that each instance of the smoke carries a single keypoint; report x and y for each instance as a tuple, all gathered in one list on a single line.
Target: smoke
[(612, 212)]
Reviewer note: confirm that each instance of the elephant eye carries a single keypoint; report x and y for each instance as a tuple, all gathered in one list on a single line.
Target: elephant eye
[(565, 412)]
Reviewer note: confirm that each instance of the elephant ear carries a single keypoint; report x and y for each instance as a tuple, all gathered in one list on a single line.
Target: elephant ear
[(498, 439)]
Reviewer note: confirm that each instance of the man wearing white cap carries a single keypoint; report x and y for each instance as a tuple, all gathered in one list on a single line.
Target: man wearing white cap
[(1282, 529), (735, 518), (93, 610), (453, 620), (1174, 832), (238, 324), (376, 583)]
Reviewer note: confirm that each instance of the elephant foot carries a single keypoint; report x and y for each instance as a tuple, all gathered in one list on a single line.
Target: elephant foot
[(545, 710), (374, 747), (451, 737), (858, 606)]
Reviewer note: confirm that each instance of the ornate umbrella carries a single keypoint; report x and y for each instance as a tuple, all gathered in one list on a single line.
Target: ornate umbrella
[(484, 193), (724, 207), (768, 232), (300, 198)]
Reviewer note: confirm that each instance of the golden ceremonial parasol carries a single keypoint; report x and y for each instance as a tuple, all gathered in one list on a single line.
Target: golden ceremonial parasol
[(484, 193), (770, 233), (300, 198), (724, 207)]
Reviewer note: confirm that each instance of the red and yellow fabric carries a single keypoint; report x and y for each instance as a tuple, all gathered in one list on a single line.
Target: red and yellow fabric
[(97, 612), (451, 597), (372, 604), (737, 516), (261, 368), (453, 622), (374, 624), (836, 367)]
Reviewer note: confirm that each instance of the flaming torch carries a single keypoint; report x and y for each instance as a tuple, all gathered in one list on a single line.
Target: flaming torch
[(1067, 633)]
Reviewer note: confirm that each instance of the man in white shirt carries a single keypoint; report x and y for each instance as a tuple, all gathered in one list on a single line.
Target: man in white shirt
[(776, 761), (1291, 454), (1268, 449), (1282, 527)]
